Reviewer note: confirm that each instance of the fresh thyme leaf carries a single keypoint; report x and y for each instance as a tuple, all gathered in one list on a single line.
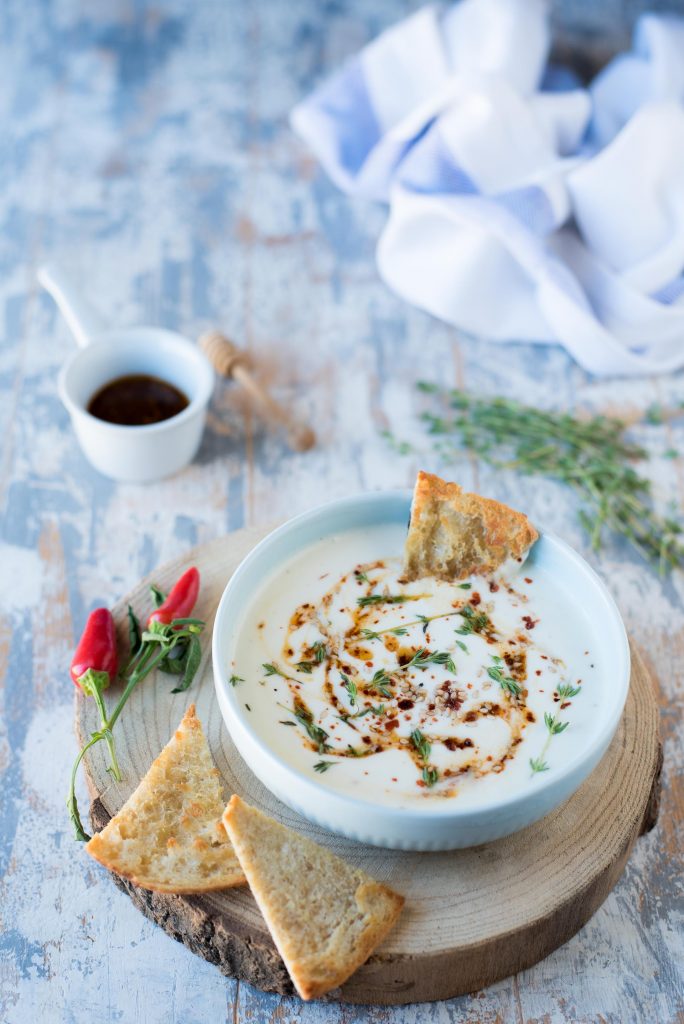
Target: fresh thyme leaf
[(305, 666), (553, 725), (351, 688), (459, 643), (381, 682), (271, 669), (370, 599), (322, 766), (430, 775), (421, 744), (425, 619), (537, 764), (353, 752), (283, 722), (566, 690), (315, 732), (465, 586), (475, 622), (422, 658), (507, 683), (320, 651), (400, 447), (361, 576), (234, 680), (398, 631)]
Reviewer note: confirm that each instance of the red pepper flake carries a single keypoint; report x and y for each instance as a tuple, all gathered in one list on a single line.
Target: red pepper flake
[(530, 623), (406, 704), (493, 586), (475, 598), (392, 724), (394, 780), (538, 672), (527, 579)]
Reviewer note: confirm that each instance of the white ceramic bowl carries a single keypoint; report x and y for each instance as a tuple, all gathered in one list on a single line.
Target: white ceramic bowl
[(138, 454), (444, 825)]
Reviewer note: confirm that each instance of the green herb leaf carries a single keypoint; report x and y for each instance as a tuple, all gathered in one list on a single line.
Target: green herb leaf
[(320, 651), (421, 744), (314, 731), (158, 596), (430, 775), (537, 764), (271, 669), (234, 680), (192, 663), (567, 690), (323, 766), (134, 633), (553, 725), (350, 687), (371, 599)]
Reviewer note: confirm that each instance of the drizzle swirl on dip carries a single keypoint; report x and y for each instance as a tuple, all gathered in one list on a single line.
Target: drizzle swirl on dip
[(425, 690)]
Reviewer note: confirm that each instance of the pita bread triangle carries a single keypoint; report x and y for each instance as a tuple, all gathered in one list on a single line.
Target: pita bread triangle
[(325, 916), (453, 534), (169, 836)]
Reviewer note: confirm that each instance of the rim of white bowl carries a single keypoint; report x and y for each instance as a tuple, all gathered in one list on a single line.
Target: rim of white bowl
[(439, 811), (198, 402)]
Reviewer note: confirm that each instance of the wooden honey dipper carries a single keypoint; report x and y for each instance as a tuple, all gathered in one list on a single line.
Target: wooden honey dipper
[(231, 362)]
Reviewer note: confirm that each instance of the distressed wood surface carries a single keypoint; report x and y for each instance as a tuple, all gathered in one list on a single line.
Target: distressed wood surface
[(146, 147), (471, 916)]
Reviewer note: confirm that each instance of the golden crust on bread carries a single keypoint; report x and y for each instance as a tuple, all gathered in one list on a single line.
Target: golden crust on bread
[(169, 836), (453, 534), (326, 917)]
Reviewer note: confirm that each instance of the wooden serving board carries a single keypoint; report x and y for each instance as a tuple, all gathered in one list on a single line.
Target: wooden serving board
[(471, 917)]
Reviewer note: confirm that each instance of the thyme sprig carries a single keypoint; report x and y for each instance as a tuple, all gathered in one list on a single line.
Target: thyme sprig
[(423, 747), (475, 622), (422, 620), (554, 726), (507, 683), (422, 658), (371, 599), (592, 456)]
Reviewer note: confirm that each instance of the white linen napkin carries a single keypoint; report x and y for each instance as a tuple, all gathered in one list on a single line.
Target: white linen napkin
[(521, 206)]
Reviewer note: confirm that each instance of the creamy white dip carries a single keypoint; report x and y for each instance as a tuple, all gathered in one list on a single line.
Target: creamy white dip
[(407, 693)]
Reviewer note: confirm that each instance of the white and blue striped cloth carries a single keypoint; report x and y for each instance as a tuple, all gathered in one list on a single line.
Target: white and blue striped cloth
[(521, 205)]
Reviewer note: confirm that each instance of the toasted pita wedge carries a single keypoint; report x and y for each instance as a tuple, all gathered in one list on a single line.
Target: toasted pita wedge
[(453, 535), (169, 836), (326, 917)]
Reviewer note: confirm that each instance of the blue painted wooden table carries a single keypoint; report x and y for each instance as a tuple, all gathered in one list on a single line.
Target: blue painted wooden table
[(146, 147)]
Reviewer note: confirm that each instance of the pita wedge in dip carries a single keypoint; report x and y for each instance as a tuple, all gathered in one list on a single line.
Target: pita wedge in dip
[(453, 535)]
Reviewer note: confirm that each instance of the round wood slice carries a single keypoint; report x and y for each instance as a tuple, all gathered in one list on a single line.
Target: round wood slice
[(471, 916)]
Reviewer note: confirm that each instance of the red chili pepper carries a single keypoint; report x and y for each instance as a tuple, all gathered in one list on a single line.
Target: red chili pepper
[(96, 661), (180, 600)]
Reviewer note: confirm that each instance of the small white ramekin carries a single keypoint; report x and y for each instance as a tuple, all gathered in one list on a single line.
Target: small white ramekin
[(445, 825)]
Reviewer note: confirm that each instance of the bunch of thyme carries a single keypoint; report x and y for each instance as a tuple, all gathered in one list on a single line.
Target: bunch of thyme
[(592, 456)]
